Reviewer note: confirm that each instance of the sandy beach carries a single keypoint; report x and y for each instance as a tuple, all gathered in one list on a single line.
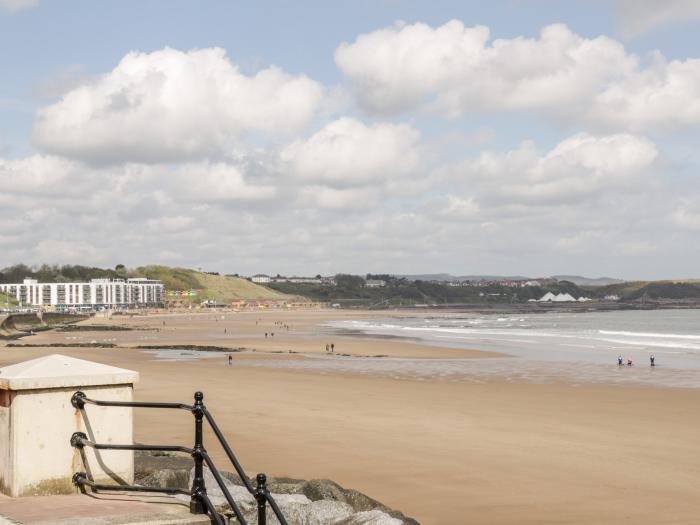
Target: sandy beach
[(443, 452)]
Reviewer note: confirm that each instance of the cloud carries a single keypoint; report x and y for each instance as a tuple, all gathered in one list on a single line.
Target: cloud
[(346, 152), (170, 105), (640, 16), (452, 70), (12, 6), (568, 206), (338, 199), (581, 167)]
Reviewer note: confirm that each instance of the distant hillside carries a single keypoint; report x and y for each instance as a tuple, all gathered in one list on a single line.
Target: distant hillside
[(220, 288), (350, 290), (587, 281), (638, 290), (450, 277)]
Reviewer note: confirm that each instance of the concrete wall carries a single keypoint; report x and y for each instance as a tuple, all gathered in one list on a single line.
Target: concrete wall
[(40, 426), (5, 443)]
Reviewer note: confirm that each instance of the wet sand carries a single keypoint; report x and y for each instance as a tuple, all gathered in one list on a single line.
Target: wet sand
[(444, 452)]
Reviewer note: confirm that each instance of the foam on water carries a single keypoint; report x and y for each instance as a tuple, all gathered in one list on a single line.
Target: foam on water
[(575, 347)]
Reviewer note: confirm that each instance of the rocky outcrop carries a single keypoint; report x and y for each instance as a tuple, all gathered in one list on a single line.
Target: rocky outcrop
[(18, 325), (314, 502)]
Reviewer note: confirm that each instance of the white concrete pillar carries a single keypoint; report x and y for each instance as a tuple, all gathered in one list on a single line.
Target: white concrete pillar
[(37, 421)]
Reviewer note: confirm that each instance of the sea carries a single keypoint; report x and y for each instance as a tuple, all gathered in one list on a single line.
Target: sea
[(555, 347), (576, 348)]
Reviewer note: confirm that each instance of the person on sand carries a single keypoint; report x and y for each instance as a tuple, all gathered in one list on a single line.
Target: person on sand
[(328, 348), (332, 347), (652, 358), (230, 359), (629, 361), (619, 360), (265, 335)]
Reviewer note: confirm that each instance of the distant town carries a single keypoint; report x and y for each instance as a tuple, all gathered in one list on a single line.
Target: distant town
[(77, 288)]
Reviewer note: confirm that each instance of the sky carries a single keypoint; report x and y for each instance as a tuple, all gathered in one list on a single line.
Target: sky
[(515, 137)]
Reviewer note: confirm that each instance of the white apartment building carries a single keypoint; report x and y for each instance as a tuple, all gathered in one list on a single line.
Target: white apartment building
[(96, 293)]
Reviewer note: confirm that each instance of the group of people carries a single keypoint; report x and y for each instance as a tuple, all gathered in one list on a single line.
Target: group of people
[(330, 348), (652, 360)]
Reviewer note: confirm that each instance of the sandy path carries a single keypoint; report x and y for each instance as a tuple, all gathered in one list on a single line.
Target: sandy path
[(445, 453)]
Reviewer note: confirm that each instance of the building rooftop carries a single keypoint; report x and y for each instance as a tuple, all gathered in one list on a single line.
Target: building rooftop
[(56, 371)]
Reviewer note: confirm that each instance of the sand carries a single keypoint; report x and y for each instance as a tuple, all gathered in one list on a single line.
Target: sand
[(444, 453)]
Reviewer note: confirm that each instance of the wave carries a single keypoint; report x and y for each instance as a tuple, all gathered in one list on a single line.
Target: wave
[(650, 334)]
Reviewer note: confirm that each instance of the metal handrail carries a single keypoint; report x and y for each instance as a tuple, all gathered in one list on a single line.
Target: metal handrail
[(81, 478), (199, 499)]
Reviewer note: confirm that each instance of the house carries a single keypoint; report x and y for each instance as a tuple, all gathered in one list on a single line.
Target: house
[(260, 278), (375, 283)]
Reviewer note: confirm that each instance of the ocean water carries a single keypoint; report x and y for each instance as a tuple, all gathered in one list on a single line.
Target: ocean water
[(575, 348)]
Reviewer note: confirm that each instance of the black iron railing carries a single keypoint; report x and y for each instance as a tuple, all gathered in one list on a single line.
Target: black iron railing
[(199, 501)]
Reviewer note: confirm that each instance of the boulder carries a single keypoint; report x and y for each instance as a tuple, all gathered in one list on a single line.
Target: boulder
[(370, 517), (315, 502)]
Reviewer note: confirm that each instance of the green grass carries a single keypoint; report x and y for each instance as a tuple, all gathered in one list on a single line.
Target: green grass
[(219, 288), (7, 301)]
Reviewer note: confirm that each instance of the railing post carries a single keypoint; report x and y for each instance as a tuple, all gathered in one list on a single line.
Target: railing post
[(196, 503), (261, 497)]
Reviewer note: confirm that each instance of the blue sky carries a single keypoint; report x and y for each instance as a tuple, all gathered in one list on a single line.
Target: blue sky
[(468, 165)]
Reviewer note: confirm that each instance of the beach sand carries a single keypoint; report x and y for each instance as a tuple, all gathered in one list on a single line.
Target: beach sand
[(442, 452)]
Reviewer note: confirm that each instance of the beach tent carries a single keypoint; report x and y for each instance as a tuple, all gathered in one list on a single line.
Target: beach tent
[(563, 298), (549, 296)]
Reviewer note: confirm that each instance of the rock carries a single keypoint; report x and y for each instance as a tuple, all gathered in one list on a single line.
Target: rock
[(315, 502), (165, 478), (320, 489), (329, 512), (370, 517)]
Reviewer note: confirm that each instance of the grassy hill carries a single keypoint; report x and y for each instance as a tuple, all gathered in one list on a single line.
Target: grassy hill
[(636, 290), (220, 288), (7, 301), (350, 291)]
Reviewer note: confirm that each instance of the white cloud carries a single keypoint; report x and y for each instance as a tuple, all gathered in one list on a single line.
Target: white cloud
[(686, 216), (458, 207), (582, 167), (640, 16), (338, 199), (453, 69), (170, 105), (13, 6), (220, 181), (346, 152)]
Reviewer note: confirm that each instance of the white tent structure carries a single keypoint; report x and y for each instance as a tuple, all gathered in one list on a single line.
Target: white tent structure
[(559, 298)]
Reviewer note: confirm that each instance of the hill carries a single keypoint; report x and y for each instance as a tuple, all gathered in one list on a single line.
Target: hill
[(587, 281), (350, 290), (219, 288), (450, 277)]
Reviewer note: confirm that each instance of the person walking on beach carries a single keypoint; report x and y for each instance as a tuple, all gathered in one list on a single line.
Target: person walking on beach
[(619, 360), (332, 347), (652, 358), (328, 348), (230, 359), (629, 361), (265, 335)]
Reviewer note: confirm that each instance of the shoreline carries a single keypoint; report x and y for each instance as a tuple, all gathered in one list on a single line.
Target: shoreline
[(495, 451)]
